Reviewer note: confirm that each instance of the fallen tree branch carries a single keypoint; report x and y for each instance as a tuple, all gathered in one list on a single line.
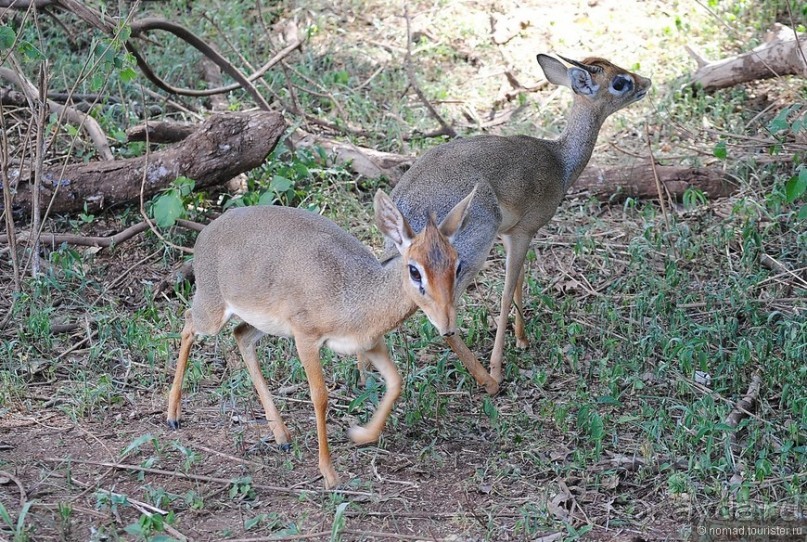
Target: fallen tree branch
[(160, 132), (782, 54), (54, 239), (153, 23), (742, 408), (72, 115), (25, 4), (410, 73), (224, 146), (638, 181), (361, 160), (149, 73), (177, 275)]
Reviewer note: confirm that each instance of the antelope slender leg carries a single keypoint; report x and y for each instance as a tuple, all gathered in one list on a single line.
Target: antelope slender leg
[(245, 337), (516, 246), (309, 356), (379, 357)]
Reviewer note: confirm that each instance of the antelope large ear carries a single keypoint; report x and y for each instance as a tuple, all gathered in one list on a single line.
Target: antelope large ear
[(554, 70), (391, 222), (454, 220)]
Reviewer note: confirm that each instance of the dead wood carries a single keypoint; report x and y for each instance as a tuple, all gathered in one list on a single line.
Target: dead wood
[(410, 73), (742, 408), (361, 160), (177, 275), (24, 4), (54, 239), (160, 132), (72, 115), (783, 54), (638, 181), (153, 23), (222, 147)]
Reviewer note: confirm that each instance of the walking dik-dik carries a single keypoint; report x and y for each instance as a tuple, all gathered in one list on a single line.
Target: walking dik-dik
[(520, 182), (292, 273)]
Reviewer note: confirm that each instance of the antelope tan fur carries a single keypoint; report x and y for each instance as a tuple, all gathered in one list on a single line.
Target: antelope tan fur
[(292, 273), (520, 181)]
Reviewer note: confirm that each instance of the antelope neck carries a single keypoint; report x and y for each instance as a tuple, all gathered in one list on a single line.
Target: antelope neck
[(577, 141), (389, 305)]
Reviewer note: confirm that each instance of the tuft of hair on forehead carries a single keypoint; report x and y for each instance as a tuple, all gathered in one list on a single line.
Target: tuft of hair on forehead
[(434, 246), (596, 61)]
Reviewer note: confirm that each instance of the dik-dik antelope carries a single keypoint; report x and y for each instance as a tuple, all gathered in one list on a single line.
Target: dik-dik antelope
[(292, 273), (520, 182)]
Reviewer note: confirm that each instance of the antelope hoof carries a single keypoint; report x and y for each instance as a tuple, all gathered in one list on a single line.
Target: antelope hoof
[(361, 435), (522, 343), (285, 447), (173, 424), (331, 479)]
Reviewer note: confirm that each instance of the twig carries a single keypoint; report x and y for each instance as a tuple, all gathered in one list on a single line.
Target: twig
[(176, 105), (175, 474), (71, 114), (771, 263), (796, 35), (23, 496), (54, 239), (154, 23), (323, 535), (231, 457), (392, 536), (7, 206), (39, 159), (410, 72), (656, 177), (742, 408), (245, 82)]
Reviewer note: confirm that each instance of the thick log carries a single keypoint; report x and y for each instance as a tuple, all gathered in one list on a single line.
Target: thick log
[(361, 160), (638, 181), (160, 132), (224, 146), (782, 55)]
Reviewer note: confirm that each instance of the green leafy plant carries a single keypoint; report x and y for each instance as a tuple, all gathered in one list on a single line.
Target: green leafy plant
[(171, 204), (18, 529), (339, 520), (241, 488), (795, 188), (138, 442), (150, 526)]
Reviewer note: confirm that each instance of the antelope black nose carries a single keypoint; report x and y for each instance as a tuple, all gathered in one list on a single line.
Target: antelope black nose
[(448, 333)]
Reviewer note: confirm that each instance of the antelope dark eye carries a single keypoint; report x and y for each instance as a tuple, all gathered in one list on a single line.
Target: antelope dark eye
[(622, 84), (414, 273), (459, 268)]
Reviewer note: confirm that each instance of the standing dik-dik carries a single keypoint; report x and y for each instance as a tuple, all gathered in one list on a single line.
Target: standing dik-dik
[(293, 273), (520, 182)]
